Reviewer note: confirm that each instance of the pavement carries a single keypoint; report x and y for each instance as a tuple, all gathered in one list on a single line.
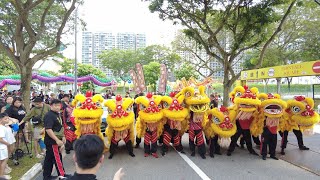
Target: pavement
[(295, 164)]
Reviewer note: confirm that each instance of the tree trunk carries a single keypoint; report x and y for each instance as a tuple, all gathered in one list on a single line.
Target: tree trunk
[(289, 83), (278, 85), (124, 87), (266, 81), (26, 77), (226, 91)]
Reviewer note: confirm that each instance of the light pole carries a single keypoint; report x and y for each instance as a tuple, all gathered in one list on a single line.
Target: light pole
[(75, 53)]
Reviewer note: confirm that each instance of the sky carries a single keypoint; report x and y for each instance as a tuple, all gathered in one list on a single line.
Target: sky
[(123, 16)]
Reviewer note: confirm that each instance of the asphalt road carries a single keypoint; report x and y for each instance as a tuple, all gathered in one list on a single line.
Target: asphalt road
[(241, 165)]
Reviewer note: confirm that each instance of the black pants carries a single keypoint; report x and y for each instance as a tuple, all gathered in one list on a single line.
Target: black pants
[(268, 139), (256, 140), (69, 145), (197, 136), (171, 136), (150, 137), (214, 147), (53, 157), (284, 136), (245, 134)]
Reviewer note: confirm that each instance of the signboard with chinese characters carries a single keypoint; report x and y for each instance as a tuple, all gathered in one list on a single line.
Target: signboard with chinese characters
[(311, 68)]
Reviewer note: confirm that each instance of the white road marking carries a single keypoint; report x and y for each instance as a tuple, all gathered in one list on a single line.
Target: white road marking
[(194, 167)]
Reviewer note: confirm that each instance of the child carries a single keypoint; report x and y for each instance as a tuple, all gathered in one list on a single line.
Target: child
[(4, 119)]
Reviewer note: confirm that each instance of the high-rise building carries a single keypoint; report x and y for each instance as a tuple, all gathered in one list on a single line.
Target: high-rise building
[(130, 41), (93, 43)]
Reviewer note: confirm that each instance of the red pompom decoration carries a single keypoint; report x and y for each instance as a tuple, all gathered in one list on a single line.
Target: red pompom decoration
[(149, 95), (118, 98)]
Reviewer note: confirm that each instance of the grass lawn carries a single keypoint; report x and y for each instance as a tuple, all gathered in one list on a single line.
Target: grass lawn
[(25, 164)]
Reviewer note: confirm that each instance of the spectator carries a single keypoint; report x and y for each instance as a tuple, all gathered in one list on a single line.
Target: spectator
[(54, 140), (36, 115), (18, 111), (9, 100), (71, 95), (9, 135), (60, 96), (127, 95), (46, 99), (89, 157), (52, 97), (213, 102), (3, 145)]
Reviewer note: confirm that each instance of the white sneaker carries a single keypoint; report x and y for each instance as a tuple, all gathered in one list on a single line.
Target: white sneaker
[(39, 156), (7, 171), (6, 177)]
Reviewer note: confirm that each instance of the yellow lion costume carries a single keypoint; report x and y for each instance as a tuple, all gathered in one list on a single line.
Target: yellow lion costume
[(300, 118), (176, 124), (271, 114), (149, 122), (219, 124), (198, 103), (246, 106), (120, 123), (87, 112)]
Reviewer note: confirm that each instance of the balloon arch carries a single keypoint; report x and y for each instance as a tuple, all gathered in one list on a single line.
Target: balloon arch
[(47, 78)]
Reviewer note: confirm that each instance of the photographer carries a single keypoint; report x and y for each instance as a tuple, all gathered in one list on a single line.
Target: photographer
[(36, 116)]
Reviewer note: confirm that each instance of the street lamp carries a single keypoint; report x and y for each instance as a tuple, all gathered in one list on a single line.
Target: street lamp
[(75, 53)]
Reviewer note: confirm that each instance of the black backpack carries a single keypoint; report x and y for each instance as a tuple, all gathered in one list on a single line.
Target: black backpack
[(37, 119)]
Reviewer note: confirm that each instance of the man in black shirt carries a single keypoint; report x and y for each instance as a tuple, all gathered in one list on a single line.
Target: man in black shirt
[(89, 157), (54, 141)]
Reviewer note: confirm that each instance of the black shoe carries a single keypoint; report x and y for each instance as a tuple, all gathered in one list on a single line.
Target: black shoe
[(131, 154), (254, 153), (219, 153), (228, 153), (282, 152), (50, 178), (273, 157), (303, 148), (66, 176), (182, 152), (203, 156), (242, 146), (67, 152), (193, 154), (110, 156), (137, 146), (264, 157), (212, 155)]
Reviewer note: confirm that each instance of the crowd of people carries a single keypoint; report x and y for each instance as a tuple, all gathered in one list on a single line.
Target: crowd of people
[(51, 123)]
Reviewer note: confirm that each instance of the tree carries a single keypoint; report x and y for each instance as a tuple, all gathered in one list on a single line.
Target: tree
[(31, 31), (151, 74), (6, 66), (293, 43), (194, 54), (160, 54), (67, 66), (245, 23), (120, 62), (186, 71), (88, 69)]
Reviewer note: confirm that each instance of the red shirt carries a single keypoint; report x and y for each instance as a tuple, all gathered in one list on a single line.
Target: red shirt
[(245, 124)]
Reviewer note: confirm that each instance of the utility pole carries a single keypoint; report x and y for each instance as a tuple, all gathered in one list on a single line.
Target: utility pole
[(75, 53)]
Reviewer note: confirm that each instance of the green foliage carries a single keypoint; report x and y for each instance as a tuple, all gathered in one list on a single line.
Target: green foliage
[(119, 61), (52, 73), (87, 69), (67, 66), (186, 71), (151, 74), (6, 66)]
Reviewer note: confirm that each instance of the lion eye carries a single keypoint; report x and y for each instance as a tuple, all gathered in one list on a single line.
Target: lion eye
[(109, 111), (129, 108), (142, 107), (295, 109), (79, 104), (216, 120), (238, 94), (165, 105), (98, 104)]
